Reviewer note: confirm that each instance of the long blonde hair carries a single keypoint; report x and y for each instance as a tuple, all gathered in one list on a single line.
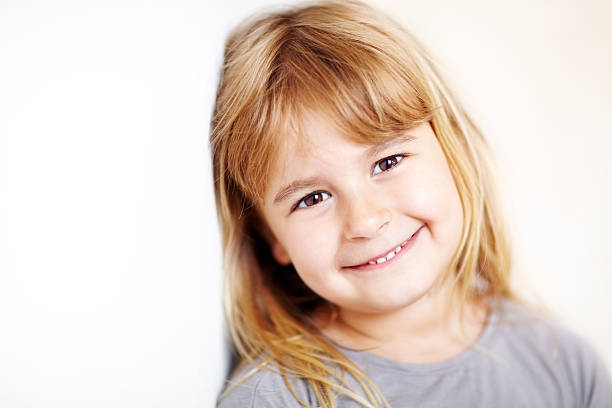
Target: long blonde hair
[(373, 80)]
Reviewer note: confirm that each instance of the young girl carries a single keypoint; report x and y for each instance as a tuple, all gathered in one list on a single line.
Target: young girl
[(366, 259)]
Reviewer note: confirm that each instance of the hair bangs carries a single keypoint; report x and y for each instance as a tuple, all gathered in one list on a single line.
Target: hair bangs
[(365, 92), (259, 134)]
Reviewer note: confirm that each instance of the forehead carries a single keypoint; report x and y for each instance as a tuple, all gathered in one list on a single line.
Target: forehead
[(314, 138), (321, 151)]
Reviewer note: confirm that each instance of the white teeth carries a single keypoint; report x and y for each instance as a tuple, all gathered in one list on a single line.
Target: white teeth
[(390, 255), (387, 257)]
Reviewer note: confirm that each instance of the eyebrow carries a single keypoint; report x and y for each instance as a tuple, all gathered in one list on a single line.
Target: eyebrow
[(311, 182), (296, 185)]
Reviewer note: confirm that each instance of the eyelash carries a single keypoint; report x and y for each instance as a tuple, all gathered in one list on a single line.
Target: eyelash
[(397, 157)]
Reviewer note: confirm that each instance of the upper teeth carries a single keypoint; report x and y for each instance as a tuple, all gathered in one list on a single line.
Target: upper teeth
[(390, 255)]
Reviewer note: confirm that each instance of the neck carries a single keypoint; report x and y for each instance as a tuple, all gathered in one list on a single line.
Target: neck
[(428, 330)]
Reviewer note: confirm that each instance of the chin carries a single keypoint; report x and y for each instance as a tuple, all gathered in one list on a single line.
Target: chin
[(388, 303)]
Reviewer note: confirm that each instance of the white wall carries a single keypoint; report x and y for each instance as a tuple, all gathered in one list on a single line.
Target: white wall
[(109, 263), (109, 253)]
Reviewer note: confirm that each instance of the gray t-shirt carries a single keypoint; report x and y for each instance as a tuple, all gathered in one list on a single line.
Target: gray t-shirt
[(520, 360)]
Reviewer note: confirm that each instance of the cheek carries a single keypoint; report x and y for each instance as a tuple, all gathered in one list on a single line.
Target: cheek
[(450, 214), (425, 196), (313, 253), (312, 267), (311, 250), (431, 196)]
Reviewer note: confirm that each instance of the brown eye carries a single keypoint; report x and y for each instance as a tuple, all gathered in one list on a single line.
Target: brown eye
[(312, 199), (387, 163)]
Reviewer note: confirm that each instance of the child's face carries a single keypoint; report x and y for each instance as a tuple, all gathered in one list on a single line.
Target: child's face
[(354, 205)]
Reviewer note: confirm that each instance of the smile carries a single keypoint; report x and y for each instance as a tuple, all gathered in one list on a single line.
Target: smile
[(385, 258)]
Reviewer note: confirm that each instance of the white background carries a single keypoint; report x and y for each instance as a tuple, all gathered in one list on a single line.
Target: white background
[(109, 251)]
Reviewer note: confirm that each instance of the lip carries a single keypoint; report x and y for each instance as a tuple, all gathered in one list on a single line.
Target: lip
[(405, 248)]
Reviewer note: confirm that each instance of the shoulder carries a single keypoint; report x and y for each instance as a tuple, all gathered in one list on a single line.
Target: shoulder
[(262, 387), (542, 344), (525, 327)]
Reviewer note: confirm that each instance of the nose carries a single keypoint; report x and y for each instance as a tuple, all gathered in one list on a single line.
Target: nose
[(366, 218)]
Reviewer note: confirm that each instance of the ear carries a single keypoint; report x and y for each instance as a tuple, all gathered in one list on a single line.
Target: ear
[(280, 255)]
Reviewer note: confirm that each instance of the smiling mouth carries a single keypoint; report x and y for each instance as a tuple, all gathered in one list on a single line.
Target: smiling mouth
[(389, 255)]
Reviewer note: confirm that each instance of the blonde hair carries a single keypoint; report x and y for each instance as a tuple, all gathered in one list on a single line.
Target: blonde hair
[(373, 81)]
